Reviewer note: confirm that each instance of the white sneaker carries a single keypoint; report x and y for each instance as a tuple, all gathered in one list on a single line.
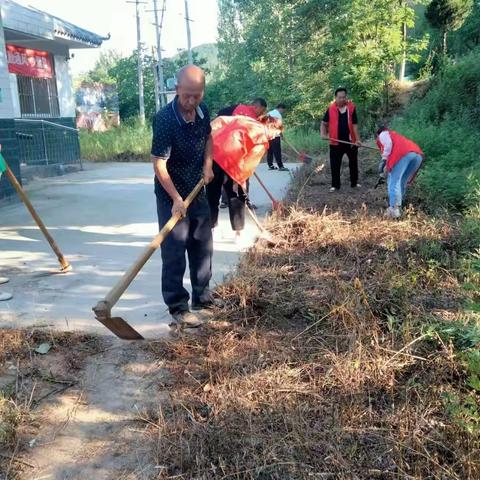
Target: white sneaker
[(5, 297), (333, 189), (357, 186), (4, 280), (393, 212)]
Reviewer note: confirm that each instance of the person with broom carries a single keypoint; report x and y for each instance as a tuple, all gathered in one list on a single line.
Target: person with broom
[(181, 155), (239, 144), (223, 187), (275, 148), (401, 160), (340, 122)]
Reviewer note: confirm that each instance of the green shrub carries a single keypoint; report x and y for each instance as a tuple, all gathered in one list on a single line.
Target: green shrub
[(131, 141), (445, 123)]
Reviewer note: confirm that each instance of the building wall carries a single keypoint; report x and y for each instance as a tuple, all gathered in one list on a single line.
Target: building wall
[(66, 97), (7, 109)]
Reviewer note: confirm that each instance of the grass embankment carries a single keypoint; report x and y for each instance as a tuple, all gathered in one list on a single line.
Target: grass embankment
[(445, 122), (129, 143), (350, 351)]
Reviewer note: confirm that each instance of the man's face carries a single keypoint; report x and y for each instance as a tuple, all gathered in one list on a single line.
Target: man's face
[(281, 110), (190, 95), (259, 109), (341, 99)]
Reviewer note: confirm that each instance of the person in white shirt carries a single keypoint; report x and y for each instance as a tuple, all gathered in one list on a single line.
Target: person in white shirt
[(275, 148), (401, 159)]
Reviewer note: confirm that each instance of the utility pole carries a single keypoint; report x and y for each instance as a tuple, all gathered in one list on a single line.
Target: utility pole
[(141, 99), (158, 28), (156, 82), (189, 38)]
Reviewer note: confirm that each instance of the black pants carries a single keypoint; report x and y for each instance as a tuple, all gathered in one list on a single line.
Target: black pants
[(336, 155), (236, 198), (275, 150), (192, 235)]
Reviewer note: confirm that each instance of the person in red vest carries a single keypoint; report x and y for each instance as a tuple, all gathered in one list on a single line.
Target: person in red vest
[(401, 158), (340, 122)]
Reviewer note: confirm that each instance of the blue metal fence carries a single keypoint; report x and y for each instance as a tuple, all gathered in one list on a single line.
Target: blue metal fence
[(42, 142)]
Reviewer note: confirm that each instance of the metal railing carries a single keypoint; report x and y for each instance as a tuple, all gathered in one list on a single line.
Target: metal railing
[(46, 143)]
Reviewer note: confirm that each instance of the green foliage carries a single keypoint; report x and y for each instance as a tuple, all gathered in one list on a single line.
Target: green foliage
[(448, 15), (101, 71), (445, 124), (299, 51), (306, 140), (111, 68), (130, 141), (465, 410)]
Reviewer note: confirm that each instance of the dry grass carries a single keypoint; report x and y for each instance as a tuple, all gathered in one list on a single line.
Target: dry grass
[(27, 379), (325, 362)]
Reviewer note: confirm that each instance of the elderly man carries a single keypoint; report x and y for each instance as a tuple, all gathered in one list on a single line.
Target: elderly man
[(340, 122), (181, 155)]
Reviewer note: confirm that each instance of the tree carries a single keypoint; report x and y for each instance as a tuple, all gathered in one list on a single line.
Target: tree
[(299, 51), (447, 16), (100, 72)]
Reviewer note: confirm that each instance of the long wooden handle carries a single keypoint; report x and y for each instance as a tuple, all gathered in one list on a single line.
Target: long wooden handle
[(21, 193), (117, 291), (255, 219), (274, 201), (291, 146), (350, 143)]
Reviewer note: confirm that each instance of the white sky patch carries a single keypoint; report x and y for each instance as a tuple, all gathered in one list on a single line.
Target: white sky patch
[(118, 18)]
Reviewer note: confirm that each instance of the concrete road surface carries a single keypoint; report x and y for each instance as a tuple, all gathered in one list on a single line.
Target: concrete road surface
[(101, 218)]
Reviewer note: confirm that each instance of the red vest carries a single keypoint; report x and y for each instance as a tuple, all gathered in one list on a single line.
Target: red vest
[(333, 122), (400, 147)]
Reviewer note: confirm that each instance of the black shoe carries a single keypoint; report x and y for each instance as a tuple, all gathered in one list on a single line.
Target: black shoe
[(272, 167), (284, 169), (223, 205), (251, 206)]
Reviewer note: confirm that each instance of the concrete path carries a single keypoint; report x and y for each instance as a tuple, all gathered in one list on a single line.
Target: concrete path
[(101, 218)]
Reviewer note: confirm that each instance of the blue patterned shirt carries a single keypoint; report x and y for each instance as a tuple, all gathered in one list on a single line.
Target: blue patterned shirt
[(183, 144)]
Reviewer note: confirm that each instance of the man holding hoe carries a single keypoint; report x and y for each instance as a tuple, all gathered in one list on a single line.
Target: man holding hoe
[(181, 155), (340, 126)]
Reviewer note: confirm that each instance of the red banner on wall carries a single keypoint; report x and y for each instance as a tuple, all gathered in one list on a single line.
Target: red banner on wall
[(28, 62)]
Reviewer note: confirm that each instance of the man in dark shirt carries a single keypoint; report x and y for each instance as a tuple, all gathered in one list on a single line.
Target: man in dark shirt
[(181, 155), (340, 122)]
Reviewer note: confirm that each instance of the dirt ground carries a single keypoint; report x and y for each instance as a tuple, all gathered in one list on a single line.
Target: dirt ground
[(280, 385), (84, 407)]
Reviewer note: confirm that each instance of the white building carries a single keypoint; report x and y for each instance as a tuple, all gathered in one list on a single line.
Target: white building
[(37, 103)]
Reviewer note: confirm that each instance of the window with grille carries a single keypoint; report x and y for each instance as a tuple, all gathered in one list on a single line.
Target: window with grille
[(38, 97)]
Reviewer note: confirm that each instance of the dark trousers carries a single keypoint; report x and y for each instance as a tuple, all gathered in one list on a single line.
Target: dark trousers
[(336, 155), (275, 150), (193, 236), (236, 198)]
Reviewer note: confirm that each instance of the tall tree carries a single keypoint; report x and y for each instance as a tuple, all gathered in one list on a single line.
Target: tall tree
[(447, 16)]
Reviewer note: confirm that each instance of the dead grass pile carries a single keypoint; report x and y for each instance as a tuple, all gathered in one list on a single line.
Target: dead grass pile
[(27, 378), (326, 361)]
